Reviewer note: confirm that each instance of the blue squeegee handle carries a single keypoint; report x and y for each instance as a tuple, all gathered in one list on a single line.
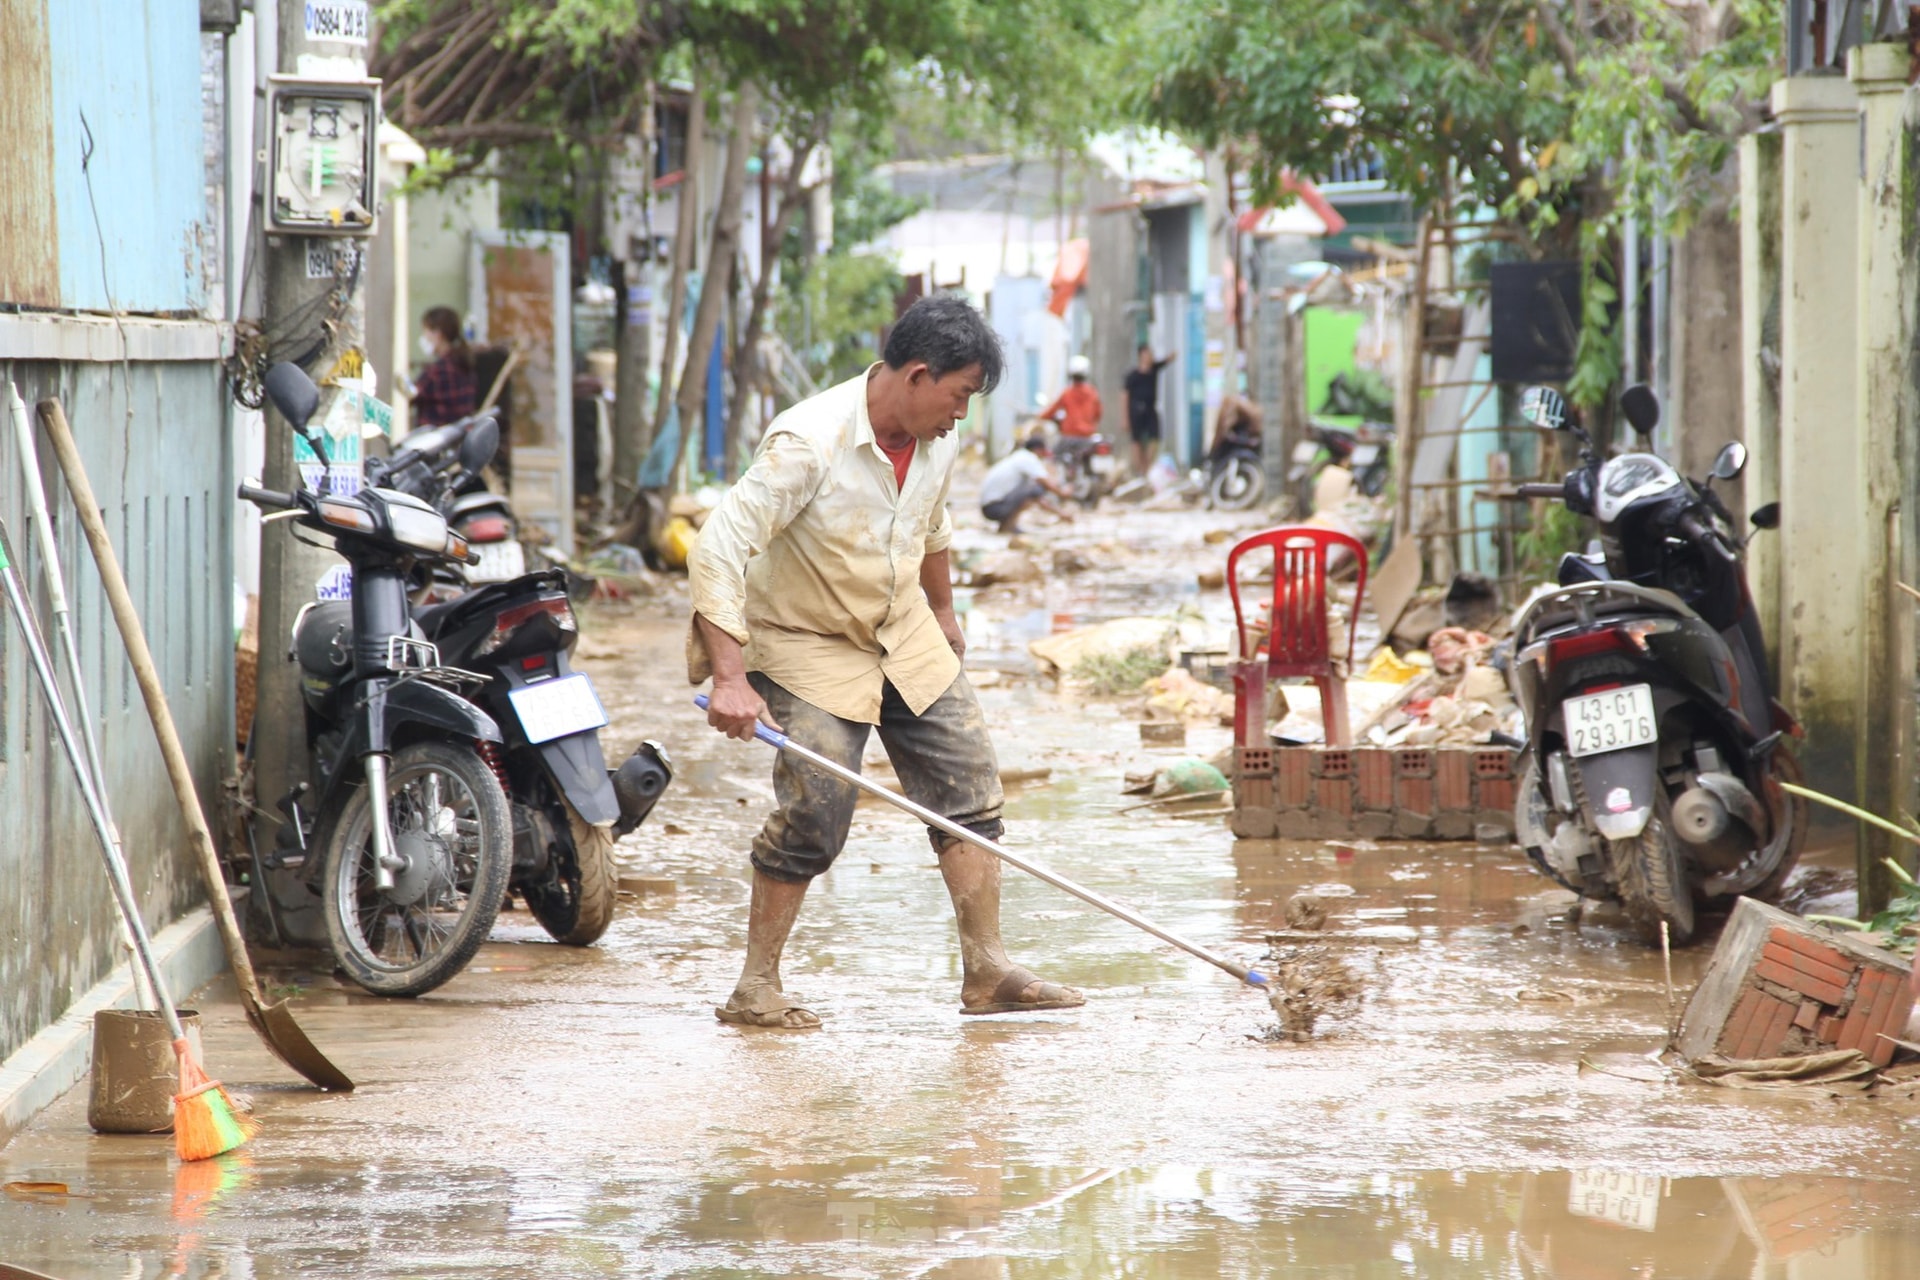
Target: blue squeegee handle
[(774, 738)]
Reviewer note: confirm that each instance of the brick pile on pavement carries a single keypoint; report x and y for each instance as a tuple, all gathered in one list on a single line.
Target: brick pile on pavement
[(1779, 987), (1402, 793)]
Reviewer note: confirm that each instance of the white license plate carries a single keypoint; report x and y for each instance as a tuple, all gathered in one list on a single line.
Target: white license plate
[(1625, 1199), (499, 562), (555, 708), (1611, 721), (1101, 464)]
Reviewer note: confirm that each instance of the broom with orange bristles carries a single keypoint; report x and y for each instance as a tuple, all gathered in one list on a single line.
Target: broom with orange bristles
[(205, 1122)]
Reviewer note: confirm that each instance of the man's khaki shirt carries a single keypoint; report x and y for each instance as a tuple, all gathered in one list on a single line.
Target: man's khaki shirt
[(812, 562)]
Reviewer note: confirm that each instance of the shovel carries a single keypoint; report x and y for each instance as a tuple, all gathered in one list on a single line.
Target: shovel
[(273, 1022), (774, 738)]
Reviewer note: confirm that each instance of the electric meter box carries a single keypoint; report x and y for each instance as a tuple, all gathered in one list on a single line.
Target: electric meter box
[(321, 164)]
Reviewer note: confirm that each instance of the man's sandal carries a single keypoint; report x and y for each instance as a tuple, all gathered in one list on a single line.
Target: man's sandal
[(769, 1009), (1006, 996)]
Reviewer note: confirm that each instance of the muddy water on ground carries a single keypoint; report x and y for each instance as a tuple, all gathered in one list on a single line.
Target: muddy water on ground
[(579, 1113)]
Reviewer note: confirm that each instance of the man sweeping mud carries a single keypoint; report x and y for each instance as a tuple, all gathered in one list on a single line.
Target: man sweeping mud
[(823, 607)]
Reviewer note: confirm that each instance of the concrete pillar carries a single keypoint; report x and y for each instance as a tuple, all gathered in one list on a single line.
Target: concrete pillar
[(1886, 278), (1824, 523), (1704, 355), (1760, 367)]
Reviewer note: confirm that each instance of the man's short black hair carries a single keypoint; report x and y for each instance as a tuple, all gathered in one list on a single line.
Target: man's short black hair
[(1037, 442), (945, 330)]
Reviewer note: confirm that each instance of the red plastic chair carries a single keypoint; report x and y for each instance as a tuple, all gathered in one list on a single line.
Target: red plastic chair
[(1296, 644)]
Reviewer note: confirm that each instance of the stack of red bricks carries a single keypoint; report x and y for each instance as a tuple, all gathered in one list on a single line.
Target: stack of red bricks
[(1777, 987), (1407, 793)]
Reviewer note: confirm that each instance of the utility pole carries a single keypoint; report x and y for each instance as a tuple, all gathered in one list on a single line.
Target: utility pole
[(632, 432), (316, 318)]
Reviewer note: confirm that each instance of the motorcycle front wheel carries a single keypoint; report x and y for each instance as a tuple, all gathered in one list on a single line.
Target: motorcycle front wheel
[(1238, 485), (454, 836), (575, 903), (1650, 874)]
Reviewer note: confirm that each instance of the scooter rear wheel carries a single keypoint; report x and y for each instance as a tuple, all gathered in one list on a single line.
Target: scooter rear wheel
[(1238, 485), (454, 834), (577, 902), (1650, 873)]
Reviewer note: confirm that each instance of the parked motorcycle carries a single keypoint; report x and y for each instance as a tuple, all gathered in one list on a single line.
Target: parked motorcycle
[(1367, 452), (1236, 473), (444, 466), (519, 635), (567, 808), (403, 826), (1654, 754), (1088, 467)]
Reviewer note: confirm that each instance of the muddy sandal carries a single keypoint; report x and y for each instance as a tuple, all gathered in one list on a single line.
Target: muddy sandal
[(768, 1009), (1006, 996)]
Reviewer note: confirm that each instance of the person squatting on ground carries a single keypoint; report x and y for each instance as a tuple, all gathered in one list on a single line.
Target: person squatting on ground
[(1018, 481), (823, 607), (1143, 407)]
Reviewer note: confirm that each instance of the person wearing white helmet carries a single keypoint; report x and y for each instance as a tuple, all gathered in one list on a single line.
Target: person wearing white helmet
[(1077, 409)]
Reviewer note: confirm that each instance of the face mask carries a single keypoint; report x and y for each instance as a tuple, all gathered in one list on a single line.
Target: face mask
[(427, 347)]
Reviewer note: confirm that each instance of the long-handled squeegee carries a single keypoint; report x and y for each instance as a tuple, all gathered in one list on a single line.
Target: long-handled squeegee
[(774, 738)]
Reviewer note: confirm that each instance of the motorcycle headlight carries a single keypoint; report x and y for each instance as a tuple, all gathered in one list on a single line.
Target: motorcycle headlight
[(421, 530), (1623, 475)]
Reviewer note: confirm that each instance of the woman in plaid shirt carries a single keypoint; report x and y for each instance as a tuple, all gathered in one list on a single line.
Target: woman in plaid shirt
[(445, 391)]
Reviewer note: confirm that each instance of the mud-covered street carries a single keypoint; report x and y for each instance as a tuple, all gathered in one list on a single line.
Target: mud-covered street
[(1490, 1109)]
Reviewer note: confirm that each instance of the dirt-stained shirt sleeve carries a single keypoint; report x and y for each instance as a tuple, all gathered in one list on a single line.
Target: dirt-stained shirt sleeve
[(940, 536), (781, 481)]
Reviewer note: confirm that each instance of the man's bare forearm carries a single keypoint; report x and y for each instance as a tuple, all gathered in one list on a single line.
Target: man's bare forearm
[(723, 651), (936, 579)]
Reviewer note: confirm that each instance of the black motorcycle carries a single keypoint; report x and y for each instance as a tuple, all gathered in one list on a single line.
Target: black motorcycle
[(1654, 755), (402, 828), (567, 808), (1088, 467), (519, 636), (443, 465), (1236, 473)]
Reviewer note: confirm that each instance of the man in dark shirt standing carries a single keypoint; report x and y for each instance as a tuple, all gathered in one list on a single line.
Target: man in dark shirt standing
[(1143, 407)]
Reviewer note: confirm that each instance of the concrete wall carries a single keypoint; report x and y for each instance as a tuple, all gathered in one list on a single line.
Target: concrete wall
[(439, 225), (164, 484)]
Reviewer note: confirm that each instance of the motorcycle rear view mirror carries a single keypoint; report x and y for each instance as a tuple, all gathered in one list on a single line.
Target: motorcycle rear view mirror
[(1767, 517), (1731, 461), (1641, 407), (295, 396), (292, 393), (479, 445), (1544, 408)]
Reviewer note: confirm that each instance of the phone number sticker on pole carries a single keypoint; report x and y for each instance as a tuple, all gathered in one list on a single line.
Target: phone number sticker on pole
[(342, 20)]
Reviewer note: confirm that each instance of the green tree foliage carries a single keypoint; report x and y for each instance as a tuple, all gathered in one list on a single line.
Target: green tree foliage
[(1563, 117)]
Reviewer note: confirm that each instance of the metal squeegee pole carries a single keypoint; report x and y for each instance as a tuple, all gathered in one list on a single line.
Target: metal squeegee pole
[(109, 844), (1034, 869)]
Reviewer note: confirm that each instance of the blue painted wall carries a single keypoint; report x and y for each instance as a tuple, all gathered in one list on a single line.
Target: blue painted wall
[(133, 66)]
